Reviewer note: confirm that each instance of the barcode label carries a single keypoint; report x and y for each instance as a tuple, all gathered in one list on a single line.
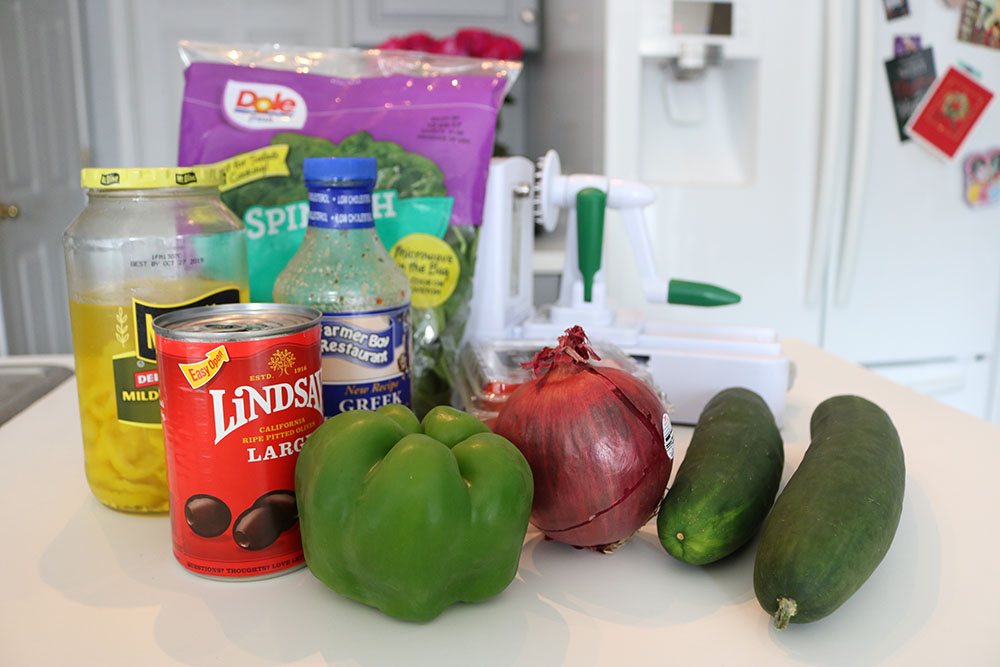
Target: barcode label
[(668, 436)]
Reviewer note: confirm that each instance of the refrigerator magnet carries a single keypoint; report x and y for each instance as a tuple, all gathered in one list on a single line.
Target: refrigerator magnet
[(948, 112), (982, 178), (910, 75), (980, 23), (896, 8), (903, 44)]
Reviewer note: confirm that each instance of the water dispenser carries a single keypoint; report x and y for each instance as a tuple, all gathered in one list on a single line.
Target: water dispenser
[(699, 82)]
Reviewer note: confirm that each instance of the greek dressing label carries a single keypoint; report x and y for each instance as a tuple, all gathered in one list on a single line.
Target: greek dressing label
[(668, 436), (366, 360), (341, 208)]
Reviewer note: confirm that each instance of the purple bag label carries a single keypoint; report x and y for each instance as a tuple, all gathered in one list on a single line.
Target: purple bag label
[(341, 208), (263, 106), (444, 121)]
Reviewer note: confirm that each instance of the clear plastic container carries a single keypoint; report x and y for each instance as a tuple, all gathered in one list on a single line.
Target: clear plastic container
[(343, 270), (491, 370), (148, 242)]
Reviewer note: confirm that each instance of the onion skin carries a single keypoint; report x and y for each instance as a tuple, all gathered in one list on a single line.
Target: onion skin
[(593, 438)]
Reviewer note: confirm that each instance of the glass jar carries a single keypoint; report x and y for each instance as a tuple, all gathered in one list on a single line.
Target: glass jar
[(148, 242), (343, 270)]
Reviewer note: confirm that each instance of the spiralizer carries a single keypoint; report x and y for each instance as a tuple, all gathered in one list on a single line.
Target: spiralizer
[(690, 363), (582, 291)]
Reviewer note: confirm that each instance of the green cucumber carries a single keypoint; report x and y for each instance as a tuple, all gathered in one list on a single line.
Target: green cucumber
[(726, 482), (835, 519)]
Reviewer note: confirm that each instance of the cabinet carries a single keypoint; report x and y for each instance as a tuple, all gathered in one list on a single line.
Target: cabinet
[(373, 21)]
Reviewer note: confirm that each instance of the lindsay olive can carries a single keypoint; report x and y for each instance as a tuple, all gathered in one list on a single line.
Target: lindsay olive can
[(240, 390)]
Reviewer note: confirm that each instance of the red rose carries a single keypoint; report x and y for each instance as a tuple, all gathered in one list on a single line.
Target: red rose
[(449, 46), (504, 48), (394, 44), (472, 42), (420, 41)]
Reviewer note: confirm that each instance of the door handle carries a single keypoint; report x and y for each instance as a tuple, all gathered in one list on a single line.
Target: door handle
[(9, 211)]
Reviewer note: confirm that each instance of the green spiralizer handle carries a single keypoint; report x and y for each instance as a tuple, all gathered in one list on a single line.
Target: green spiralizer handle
[(590, 204), (691, 293)]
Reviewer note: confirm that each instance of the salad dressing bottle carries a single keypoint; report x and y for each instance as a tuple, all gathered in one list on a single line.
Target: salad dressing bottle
[(343, 270)]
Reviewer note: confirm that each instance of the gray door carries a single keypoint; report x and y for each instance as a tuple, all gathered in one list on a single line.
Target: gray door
[(42, 148)]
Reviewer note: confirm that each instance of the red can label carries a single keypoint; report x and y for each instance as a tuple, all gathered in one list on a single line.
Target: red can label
[(235, 416)]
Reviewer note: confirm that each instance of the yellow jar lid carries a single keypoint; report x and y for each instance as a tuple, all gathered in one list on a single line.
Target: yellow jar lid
[(152, 177)]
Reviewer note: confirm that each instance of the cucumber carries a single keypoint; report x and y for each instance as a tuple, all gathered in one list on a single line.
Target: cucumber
[(726, 482), (835, 519)]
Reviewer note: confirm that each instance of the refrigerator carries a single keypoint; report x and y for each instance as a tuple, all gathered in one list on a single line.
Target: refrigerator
[(769, 132)]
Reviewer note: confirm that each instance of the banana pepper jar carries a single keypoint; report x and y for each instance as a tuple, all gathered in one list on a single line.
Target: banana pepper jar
[(149, 241)]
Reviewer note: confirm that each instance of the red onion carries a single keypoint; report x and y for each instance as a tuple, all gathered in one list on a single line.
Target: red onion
[(594, 437)]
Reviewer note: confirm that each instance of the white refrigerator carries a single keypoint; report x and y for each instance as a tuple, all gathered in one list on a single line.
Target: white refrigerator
[(780, 173)]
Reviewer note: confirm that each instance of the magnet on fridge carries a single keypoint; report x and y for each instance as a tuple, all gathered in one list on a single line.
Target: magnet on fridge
[(982, 178), (980, 23), (896, 8), (910, 75), (976, 74), (948, 112), (903, 44)]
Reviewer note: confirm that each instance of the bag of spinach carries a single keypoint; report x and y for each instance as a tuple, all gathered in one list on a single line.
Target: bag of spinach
[(428, 120)]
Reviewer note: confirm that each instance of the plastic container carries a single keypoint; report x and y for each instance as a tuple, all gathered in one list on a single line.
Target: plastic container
[(491, 370), (343, 270), (149, 241)]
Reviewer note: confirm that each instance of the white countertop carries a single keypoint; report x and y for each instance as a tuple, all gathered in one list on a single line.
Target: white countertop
[(87, 585)]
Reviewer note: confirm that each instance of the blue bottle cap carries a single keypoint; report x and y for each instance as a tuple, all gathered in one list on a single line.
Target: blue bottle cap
[(339, 169)]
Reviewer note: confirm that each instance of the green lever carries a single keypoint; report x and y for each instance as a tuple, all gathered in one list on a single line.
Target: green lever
[(689, 293), (590, 203)]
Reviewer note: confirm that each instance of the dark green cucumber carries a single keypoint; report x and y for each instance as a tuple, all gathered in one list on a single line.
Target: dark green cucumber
[(726, 482), (835, 519)]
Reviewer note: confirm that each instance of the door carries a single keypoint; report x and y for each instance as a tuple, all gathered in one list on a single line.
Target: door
[(915, 288), (918, 278), (42, 148), (732, 151), (135, 78)]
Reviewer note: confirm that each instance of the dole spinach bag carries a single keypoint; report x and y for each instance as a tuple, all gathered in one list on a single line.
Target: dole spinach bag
[(428, 120)]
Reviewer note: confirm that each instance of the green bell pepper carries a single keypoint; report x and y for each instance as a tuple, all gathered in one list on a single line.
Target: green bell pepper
[(411, 516)]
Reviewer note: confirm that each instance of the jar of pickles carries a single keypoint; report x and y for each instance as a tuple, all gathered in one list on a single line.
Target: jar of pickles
[(149, 241)]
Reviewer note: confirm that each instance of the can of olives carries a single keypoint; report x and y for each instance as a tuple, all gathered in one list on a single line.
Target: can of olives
[(240, 390)]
